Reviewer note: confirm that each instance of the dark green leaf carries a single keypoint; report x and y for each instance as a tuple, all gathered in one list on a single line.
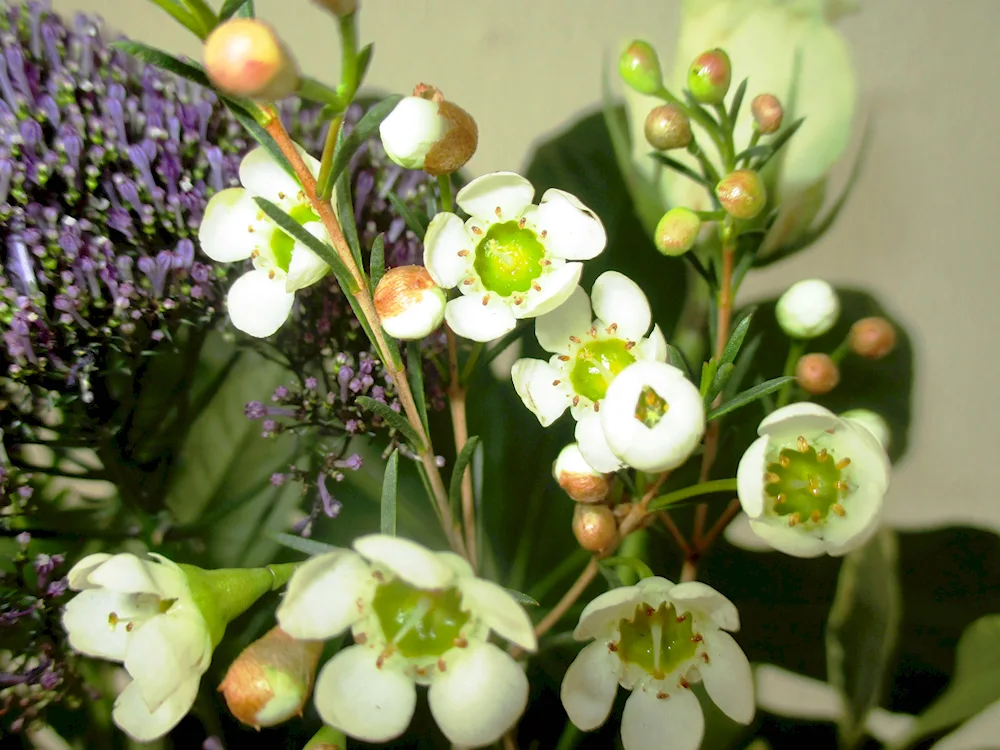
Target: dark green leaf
[(263, 138), (393, 418), (683, 169), (458, 471), (204, 14), (414, 222), (303, 545), (719, 381), (345, 215), (778, 142), (388, 524), (231, 7), (295, 230), (367, 127), (737, 102), (246, 10), (364, 60), (676, 358), (749, 396), (522, 598), (862, 630), (160, 59), (184, 16), (377, 264), (736, 340), (415, 373), (750, 153)]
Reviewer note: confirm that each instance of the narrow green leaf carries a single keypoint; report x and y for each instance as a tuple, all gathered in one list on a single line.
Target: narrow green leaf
[(376, 267), (301, 544), (675, 358), (610, 576), (414, 222), (295, 230), (736, 340), (204, 14), (246, 10), (184, 16), (743, 363), (737, 102), (760, 150), (367, 127), (231, 8), (263, 138), (316, 91), (640, 567), (393, 418), (160, 59), (778, 142), (749, 396), (522, 598), (684, 169), (415, 373), (722, 375), (708, 371), (862, 629), (364, 60), (345, 215), (388, 524), (461, 463)]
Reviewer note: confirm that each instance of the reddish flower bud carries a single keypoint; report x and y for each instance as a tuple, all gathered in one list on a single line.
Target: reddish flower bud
[(872, 338), (677, 231), (408, 302), (338, 7), (817, 373), (767, 113), (709, 76), (426, 131), (594, 527), (245, 57), (580, 481), (742, 193), (667, 127), (639, 67)]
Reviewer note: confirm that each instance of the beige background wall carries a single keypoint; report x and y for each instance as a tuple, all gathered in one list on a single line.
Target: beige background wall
[(918, 229)]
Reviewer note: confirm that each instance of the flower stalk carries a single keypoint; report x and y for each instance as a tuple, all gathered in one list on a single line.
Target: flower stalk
[(460, 427)]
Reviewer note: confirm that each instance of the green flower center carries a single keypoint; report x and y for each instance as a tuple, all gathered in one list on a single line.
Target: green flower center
[(282, 243), (509, 258), (420, 623), (657, 640), (597, 363), (650, 408), (806, 484)]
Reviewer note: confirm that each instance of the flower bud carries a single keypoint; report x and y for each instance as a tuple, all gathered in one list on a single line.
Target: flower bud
[(577, 477), (245, 57), (872, 422), (677, 231), (271, 679), (709, 76), (742, 193), (667, 127), (639, 67), (338, 7), (808, 309), (767, 113), (426, 131), (409, 303), (594, 527), (872, 338), (817, 373)]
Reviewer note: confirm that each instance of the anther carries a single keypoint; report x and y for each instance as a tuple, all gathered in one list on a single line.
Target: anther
[(650, 611), (593, 332), (477, 231), (521, 223), (361, 639), (782, 497), (681, 618), (129, 626), (794, 520), (270, 274), (629, 345), (469, 281), (421, 671), (544, 234), (460, 642), (612, 647), (815, 515), (442, 667), (518, 300), (486, 300), (576, 400), (462, 253), (545, 262), (704, 657), (575, 339), (281, 196), (684, 683), (843, 463), (822, 455), (771, 478), (841, 485), (535, 286), (250, 228), (564, 358), (662, 696), (556, 381), (378, 575), (360, 604), (802, 444), (697, 638), (254, 254), (597, 406), (498, 212), (814, 486), (611, 328), (380, 661), (838, 509), (785, 461)]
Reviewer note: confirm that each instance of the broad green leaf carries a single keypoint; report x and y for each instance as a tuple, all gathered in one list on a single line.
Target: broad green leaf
[(749, 396), (862, 630), (388, 506), (301, 544), (461, 463), (393, 418), (377, 263)]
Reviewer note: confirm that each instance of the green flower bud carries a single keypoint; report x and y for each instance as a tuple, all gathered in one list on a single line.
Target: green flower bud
[(742, 193), (677, 231), (245, 57), (709, 76), (639, 67), (817, 373), (872, 338), (667, 127), (767, 113)]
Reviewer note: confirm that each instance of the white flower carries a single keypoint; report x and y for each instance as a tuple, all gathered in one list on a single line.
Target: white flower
[(813, 483), (808, 309), (426, 131), (141, 613), (234, 228), (653, 417), (656, 639), (417, 617), (587, 356), (512, 259)]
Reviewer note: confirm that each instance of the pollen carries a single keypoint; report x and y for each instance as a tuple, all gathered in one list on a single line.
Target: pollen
[(629, 345), (611, 328), (815, 515), (576, 400), (461, 642), (544, 233), (575, 339), (597, 406), (592, 332), (771, 478), (486, 300), (564, 358), (612, 647), (802, 444), (270, 274), (129, 626), (281, 196), (113, 620), (477, 231), (838, 509), (498, 212), (535, 285), (462, 253), (842, 485), (469, 281), (697, 638), (843, 463), (518, 300), (556, 381), (785, 461), (795, 519), (662, 696), (822, 456), (521, 222), (545, 262), (782, 497)]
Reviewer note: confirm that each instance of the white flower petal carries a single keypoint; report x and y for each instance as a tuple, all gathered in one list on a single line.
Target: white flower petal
[(869, 462), (259, 305), (458, 564), (480, 696), (589, 687), (77, 576), (872, 422), (571, 318), (785, 693), (408, 560), (225, 232), (977, 733), (750, 477), (165, 652), (798, 419), (601, 615), (306, 268), (264, 177), (321, 599), (507, 191), (647, 720), (86, 620), (133, 716), (618, 299), (556, 287), (739, 534), (533, 381), (446, 237), (594, 446), (365, 702), (126, 573), (794, 541), (574, 232), (498, 610), (469, 317), (654, 348), (411, 130), (843, 535), (703, 598), (727, 677)]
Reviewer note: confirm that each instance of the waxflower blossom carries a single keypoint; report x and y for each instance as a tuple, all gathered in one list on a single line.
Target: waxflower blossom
[(813, 483), (587, 355), (234, 228), (418, 618), (511, 260), (656, 639), (808, 309), (426, 131)]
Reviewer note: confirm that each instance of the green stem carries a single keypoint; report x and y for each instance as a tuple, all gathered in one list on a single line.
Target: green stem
[(795, 351), (705, 488), (470, 363), (842, 350), (444, 183), (728, 150), (327, 737), (329, 151), (569, 737), (634, 563), (349, 67)]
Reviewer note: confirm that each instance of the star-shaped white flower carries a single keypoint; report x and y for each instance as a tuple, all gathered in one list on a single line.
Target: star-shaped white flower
[(657, 639), (417, 617), (141, 613), (813, 483), (511, 259), (234, 228), (588, 354)]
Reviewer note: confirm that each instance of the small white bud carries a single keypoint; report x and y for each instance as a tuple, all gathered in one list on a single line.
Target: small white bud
[(577, 477), (426, 131), (808, 309), (408, 302)]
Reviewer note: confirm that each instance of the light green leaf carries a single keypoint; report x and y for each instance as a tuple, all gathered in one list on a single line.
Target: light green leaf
[(862, 630), (231, 7), (415, 374), (749, 396), (388, 524), (461, 463), (377, 264), (736, 340), (522, 598)]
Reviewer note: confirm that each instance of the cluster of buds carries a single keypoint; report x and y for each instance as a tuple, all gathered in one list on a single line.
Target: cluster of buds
[(594, 524)]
